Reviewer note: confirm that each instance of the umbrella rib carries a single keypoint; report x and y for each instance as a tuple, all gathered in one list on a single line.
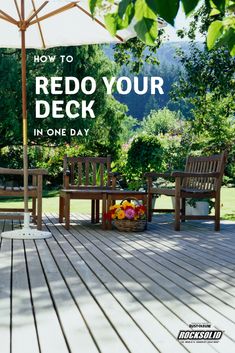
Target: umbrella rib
[(53, 13), (39, 24), (36, 11), (18, 10), (98, 21), (8, 18), (4, 18)]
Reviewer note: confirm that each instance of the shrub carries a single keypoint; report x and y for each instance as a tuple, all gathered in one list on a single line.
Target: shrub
[(145, 154), (161, 121)]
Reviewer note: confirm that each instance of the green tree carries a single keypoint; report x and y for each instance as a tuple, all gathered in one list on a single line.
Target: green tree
[(215, 128), (145, 154), (144, 14), (128, 126), (207, 83), (162, 121)]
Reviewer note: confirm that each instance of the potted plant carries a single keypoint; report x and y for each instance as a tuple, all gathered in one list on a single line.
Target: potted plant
[(199, 207)]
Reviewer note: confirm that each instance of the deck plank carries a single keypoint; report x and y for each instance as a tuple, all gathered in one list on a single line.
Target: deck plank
[(73, 325), (180, 302), (5, 293), (99, 325), (24, 334), (170, 255), (90, 291), (49, 330), (134, 337), (149, 265), (185, 251)]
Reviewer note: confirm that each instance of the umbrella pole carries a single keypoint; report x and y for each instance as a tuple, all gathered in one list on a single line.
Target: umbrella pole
[(25, 132), (24, 116), (26, 232)]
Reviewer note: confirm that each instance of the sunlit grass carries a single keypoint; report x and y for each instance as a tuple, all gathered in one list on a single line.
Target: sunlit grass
[(51, 203)]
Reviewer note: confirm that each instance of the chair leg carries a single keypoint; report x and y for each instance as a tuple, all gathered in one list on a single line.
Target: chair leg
[(39, 197), (145, 204), (183, 209), (34, 211), (177, 214), (92, 211), (39, 215), (67, 211), (149, 208), (61, 209), (109, 203), (97, 211), (34, 201), (217, 212), (177, 203)]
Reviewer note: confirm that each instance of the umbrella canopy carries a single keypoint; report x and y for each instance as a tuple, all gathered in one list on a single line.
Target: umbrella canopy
[(53, 23)]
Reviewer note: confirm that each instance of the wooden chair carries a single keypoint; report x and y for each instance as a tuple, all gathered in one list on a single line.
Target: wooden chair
[(201, 179), (34, 192), (85, 178)]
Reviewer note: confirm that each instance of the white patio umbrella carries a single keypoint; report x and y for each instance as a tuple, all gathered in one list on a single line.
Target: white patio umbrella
[(44, 24)]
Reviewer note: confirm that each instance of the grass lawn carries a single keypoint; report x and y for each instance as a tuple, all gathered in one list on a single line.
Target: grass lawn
[(51, 203), (227, 203)]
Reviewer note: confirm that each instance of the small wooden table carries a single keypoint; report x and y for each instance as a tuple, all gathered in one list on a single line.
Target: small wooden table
[(110, 196)]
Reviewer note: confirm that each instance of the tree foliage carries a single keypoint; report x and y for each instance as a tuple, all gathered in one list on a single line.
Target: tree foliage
[(144, 15), (205, 72), (162, 121), (149, 151)]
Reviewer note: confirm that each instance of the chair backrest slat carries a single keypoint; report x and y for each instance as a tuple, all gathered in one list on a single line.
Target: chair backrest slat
[(88, 171), (87, 165), (94, 173), (101, 174), (72, 172), (79, 173), (215, 163)]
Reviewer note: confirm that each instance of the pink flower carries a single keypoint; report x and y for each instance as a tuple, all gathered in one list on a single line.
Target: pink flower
[(130, 213)]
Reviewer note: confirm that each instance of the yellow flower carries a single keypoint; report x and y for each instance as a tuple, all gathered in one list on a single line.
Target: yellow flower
[(121, 214), (113, 207), (113, 216), (126, 203)]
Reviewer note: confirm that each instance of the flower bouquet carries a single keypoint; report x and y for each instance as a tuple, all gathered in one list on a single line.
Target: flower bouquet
[(128, 216)]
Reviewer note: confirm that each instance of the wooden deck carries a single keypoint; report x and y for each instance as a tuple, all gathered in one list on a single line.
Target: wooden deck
[(90, 291)]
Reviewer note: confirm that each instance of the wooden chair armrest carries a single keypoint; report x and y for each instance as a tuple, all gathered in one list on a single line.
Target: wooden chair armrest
[(9, 171), (157, 175), (37, 171), (179, 174), (154, 175)]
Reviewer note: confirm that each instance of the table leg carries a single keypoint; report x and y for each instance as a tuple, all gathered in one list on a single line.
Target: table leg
[(97, 211), (104, 211), (67, 211), (109, 203), (61, 209), (92, 211), (145, 204)]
